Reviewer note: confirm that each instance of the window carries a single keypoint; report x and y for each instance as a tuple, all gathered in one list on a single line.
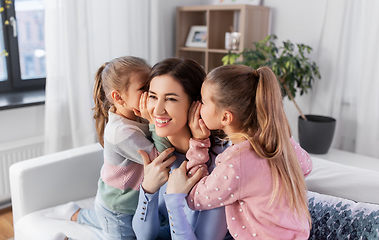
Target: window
[(22, 45)]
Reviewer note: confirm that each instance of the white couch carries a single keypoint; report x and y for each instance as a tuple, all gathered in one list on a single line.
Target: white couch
[(45, 182)]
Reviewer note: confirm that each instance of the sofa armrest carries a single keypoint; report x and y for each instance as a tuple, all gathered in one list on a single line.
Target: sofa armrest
[(344, 181), (55, 179)]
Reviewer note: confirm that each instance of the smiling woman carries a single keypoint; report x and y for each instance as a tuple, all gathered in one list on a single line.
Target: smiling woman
[(168, 104), (174, 84)]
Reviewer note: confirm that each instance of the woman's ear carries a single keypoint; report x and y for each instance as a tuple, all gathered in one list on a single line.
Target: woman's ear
[(227, 118), (116, 96)]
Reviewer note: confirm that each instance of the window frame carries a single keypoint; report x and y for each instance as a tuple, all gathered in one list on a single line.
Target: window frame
[(14, 82)]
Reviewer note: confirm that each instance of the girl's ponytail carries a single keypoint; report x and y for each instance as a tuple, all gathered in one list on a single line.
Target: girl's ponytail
[(274, 139), (102, 105), (272, 122)]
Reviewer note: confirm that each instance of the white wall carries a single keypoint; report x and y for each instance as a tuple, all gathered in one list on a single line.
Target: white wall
[(21, 123)]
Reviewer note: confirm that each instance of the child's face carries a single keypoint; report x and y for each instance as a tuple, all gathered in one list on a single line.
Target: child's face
[(209, 113), (168, 104), (136, 88)]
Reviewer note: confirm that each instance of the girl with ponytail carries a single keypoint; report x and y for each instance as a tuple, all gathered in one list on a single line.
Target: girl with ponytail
[(123, 129), (260, 177)]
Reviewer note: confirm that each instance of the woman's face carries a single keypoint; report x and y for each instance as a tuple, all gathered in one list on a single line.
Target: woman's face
[(168, 105)]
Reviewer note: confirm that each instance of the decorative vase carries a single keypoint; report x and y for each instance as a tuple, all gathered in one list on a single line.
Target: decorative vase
[(316, 134)]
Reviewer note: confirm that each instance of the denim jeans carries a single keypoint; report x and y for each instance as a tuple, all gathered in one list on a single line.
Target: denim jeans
[(113, 224)]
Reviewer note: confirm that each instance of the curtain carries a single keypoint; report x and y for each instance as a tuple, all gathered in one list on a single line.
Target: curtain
[(80, 36), (68, 105), (348, 56)]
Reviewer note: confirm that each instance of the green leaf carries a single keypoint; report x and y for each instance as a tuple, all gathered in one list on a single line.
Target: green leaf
[(288, 60), (225, 60), (230, 58)]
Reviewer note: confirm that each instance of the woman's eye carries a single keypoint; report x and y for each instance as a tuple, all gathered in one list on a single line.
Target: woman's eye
[(171, 99), (152, 97)]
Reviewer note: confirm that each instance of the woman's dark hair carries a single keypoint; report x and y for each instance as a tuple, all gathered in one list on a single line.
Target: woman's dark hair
[(187, 72)]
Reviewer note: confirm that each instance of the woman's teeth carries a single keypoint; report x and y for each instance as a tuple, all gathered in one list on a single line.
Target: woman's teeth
[(162, 121)]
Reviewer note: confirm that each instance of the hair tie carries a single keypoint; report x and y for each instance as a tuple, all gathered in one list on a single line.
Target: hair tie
[(256, 74)]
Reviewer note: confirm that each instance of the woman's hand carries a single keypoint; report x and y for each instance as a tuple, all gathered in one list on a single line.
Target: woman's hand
[(142, 112), (157, 171), (179, 182), (198, 128)]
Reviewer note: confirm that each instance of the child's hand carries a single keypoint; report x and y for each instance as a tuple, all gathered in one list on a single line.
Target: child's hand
[(198, 128), (179, 182), (143, 108)]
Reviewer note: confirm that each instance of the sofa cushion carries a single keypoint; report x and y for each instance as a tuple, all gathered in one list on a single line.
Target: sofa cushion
[(338, 218)]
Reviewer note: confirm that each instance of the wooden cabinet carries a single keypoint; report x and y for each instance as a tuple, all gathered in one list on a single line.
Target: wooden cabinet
[(251, 21)]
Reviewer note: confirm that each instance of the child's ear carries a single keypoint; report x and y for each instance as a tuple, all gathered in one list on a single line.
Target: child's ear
[(227, 118), (116, 96)]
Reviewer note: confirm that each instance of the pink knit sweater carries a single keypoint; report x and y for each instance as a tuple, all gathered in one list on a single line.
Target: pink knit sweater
[(242, 182)]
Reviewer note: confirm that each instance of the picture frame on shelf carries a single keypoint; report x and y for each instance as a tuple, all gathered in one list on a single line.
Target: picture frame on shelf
[(197, 37)]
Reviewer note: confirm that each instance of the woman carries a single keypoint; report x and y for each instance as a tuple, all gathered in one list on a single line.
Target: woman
[(174, 85)]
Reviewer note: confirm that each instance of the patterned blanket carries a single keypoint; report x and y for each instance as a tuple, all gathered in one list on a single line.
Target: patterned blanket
[(338, 218)]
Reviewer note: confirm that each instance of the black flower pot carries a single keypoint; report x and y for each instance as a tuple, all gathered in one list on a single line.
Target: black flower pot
[(316, 134)]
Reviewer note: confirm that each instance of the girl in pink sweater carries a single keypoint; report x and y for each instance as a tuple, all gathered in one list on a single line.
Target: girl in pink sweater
[(260, 177)]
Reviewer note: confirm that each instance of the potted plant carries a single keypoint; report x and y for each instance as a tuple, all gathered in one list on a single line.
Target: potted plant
[(295, 72)]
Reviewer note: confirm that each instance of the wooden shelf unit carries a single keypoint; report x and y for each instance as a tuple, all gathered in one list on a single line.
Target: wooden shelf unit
[(250, 20)]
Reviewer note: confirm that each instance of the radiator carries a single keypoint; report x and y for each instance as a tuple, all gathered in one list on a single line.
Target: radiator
[(14, 152)]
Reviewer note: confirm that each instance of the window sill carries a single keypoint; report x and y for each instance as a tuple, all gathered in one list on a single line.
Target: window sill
[(21, 99)]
